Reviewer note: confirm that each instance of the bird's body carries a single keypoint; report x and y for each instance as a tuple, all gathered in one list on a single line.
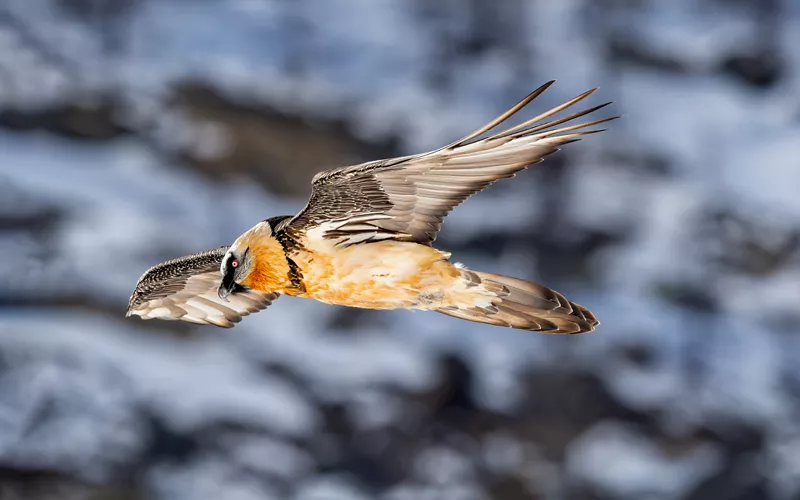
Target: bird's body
[(379, 275), (364, 240)]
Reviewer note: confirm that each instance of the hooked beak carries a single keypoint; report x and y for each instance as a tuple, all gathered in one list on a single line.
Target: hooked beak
[(226, 287)]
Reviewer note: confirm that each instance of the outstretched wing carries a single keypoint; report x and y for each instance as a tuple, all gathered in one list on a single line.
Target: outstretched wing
[(186, 289), (407, 198)]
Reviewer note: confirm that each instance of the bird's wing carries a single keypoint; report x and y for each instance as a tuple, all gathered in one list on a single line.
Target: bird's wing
[(186, 289), (407, 198)]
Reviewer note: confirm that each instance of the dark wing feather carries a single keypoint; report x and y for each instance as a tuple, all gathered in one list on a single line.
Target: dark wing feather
[(186, 289), (407, 198)]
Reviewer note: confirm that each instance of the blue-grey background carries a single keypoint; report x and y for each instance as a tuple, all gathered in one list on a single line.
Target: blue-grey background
[(132, 131)]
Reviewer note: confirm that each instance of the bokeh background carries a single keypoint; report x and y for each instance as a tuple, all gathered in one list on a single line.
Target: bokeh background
[(133, 131)]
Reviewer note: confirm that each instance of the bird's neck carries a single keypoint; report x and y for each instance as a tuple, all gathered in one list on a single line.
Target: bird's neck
[(270, 266)]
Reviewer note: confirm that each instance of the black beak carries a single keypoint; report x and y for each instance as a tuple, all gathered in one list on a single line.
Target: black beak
[(226, 287)]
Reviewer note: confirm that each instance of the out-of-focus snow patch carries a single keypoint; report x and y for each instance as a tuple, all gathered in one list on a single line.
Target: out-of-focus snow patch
[(337, 365), (602, 197), (763, 168), (782, 460), (625, 464), (762, 299), (329, 488), (443, 465), (191, 384), (374, 409), (662, 249), (207, 478), (416, 491), (743, 374), (125, 206), (695, 35), (682, 118), (552, 33), (741, 365), (502, 453), (65, 411), (269, 456)]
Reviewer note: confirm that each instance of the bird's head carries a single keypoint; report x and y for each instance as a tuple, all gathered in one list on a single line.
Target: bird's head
[(251, 261), (239, 261), (237, 264)]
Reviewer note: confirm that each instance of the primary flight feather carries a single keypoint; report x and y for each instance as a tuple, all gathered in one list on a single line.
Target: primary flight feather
[(364, 240)]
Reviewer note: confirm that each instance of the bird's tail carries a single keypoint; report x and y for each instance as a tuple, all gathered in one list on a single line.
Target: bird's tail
[(520, 304)]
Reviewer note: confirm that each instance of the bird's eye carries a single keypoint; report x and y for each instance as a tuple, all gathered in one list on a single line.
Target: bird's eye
[(235, 263)]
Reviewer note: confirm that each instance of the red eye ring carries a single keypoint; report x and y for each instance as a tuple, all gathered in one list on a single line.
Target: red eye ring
[(234, 263)]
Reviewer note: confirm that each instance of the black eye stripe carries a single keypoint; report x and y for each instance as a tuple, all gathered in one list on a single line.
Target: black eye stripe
[(230, 269)]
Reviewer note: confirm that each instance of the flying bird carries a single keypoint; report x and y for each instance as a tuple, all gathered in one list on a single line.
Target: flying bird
[(365, 240)]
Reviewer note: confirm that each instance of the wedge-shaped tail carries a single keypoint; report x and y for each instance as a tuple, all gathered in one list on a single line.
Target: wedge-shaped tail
[(524, 305)]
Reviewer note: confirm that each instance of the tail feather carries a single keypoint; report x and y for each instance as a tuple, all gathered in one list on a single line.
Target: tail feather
[(523, 305)]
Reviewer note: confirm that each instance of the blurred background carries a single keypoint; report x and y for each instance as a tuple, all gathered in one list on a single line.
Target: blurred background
[(133, 131)]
